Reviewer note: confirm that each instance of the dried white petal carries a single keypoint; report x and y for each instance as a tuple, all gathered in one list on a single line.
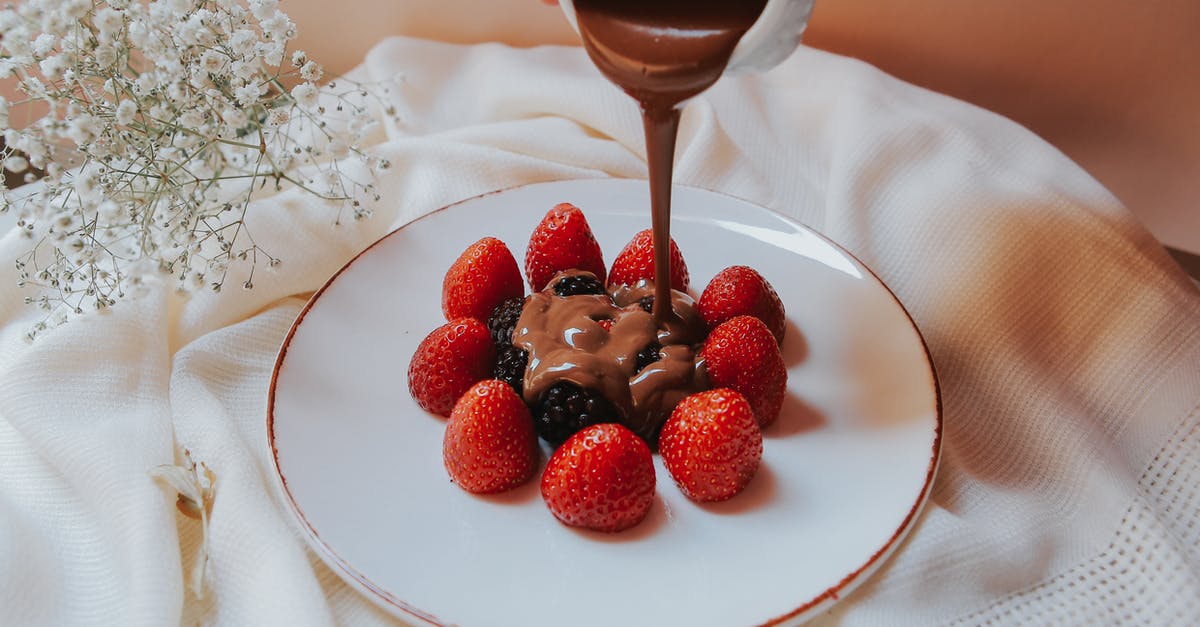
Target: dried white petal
[(182, 480)]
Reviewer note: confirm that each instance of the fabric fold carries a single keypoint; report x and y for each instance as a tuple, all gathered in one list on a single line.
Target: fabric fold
[(1066, 341)]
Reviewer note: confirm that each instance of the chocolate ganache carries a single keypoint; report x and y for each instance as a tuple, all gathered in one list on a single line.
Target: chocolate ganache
[(592, 340)]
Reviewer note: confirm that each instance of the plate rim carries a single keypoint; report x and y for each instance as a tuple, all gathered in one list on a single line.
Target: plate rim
[(371, 590)]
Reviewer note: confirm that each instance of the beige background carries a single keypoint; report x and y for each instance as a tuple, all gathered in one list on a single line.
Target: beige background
[(1115, 84)]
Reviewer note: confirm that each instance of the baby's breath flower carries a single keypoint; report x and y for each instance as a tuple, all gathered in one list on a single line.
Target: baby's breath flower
[(213, 62), (43, 44), (263, 9), (311, 72), (16, 164), (126, 112), (305, 94), (106, 57), (248, 94), (83, 130), (177, 114), (108, 23), (242, 42)]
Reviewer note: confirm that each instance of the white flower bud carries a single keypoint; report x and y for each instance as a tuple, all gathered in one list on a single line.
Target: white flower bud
[(43, 44), (108, 24), (212, 62), (263, 9), (106, 56), (126, 111), (16, 164), (311, 72), (305, 95), (247, 94), (52, 67), (83, 129)]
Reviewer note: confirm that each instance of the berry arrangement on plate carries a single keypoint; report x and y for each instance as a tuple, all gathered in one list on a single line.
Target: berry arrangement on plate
[(589, 365)]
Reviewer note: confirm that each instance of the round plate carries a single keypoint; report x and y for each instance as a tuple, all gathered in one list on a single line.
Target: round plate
[(845, 469)]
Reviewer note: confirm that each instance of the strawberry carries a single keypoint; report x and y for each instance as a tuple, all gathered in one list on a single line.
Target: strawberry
[(482, 277), (451, 359), (636, 262), (490, 445), (562, 241), (742, 354), (601, 478), (711, 445), (740, 290)]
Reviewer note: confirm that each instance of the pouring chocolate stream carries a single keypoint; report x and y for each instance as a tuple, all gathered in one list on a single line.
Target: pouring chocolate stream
[(662, 52)]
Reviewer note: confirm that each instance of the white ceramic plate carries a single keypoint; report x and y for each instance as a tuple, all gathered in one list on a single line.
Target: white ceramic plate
[(845, 471)]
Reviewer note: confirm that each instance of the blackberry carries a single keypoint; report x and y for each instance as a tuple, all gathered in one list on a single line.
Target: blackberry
[(504, 320), (648, 355), (510, 367), (577, 284), (646, 303), (567, 408)]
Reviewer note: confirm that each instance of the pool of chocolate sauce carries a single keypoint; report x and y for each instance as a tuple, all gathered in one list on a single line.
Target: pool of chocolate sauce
[(567, 342)]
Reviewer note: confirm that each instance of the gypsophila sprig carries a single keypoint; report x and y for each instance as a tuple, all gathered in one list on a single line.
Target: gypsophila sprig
[(195, 487), (152, 126)]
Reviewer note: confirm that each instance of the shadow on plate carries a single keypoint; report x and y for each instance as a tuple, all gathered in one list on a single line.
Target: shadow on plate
[(795, 347), (795, 417)]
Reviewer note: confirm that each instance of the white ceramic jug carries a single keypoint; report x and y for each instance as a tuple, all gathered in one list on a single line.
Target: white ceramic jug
[(772, 39)]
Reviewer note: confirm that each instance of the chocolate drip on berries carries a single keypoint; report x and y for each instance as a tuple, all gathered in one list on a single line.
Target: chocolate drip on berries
[(609, 346)]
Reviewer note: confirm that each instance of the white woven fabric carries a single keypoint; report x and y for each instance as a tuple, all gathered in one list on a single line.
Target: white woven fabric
[(1066, 341)]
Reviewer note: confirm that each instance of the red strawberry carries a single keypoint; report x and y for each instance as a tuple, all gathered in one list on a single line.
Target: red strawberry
[(451, 359), (742, 291), (601, 478), (562, 241), (490, 445), (483, 276), (742, 354), (711, 445), (636, 262)]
